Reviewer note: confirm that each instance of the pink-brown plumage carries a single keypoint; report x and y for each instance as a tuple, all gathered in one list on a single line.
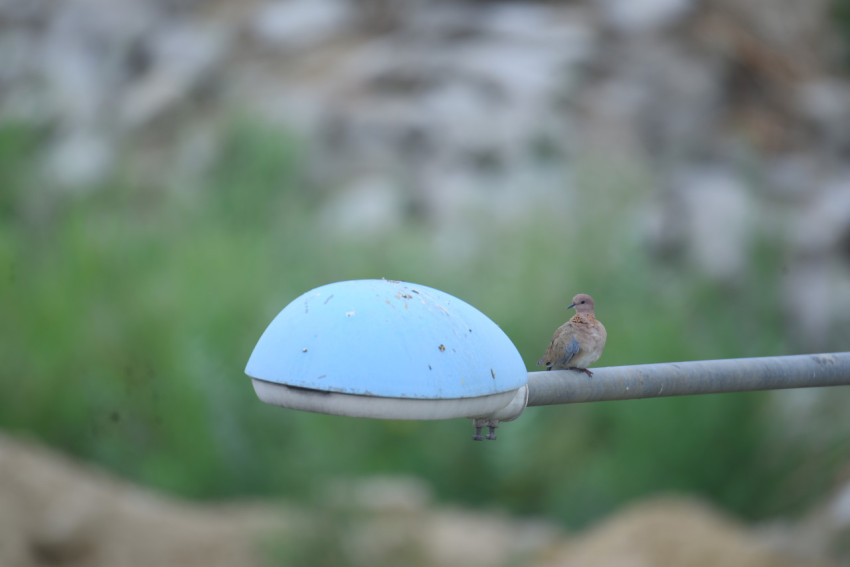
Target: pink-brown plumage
[(578, 343)]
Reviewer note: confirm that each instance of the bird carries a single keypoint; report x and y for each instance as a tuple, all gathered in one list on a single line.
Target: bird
[(578, 343)]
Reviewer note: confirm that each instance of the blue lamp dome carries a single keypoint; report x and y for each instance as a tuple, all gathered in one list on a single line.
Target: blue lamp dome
[(387, 340)]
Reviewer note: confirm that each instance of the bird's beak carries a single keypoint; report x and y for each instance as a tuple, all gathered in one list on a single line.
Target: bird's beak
[(571, 305)]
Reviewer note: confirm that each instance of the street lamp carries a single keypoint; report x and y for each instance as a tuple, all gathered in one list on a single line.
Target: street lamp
[(388, 349)]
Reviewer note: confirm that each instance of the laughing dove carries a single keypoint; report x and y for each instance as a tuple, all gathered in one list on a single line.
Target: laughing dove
[(578, 343)]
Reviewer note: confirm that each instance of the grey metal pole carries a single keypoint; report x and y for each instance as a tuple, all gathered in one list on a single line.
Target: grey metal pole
[(687, 378)]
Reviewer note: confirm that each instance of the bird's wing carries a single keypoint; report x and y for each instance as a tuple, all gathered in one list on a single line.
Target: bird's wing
[(569, 351), (562, 348)]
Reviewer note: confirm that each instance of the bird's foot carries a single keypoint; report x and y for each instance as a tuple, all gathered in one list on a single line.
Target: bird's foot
[(585, 370)]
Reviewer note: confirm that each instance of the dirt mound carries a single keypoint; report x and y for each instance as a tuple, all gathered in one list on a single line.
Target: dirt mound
[(670, 531), (54, 511)]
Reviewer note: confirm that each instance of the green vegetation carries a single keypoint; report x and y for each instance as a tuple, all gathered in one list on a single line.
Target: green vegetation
[(130, 311), (841, 20)]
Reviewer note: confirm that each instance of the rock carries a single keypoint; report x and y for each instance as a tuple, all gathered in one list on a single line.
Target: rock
[(839, 510), (800, 32), (299, 24), (643, 16), (720, 217), (368, 206), (80, 159), (826, 103), (709, 215), (22, 13), (391, 494), (822, 225), (178, 59), (84, 54), (824, 325), (792, 177), (465, 539)]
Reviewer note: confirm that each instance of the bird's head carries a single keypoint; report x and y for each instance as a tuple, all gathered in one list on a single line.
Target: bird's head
[(583, 303)]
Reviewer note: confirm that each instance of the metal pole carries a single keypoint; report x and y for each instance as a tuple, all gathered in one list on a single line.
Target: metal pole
[(688, 378)]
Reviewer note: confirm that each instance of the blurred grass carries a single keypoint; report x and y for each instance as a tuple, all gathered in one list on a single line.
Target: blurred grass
[(130, 312), (840, 18)]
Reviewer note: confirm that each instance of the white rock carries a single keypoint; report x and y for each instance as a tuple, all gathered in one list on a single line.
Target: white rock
[(719, 216), (841, 507), (531, 23), (826, 102), (83, 55), (368, 206), (299, 23), (824, 324), (824, 222), (640, 16), (79, 159)]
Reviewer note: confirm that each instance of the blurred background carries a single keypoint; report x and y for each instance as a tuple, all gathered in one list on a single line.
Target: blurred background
[(174, 172)]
